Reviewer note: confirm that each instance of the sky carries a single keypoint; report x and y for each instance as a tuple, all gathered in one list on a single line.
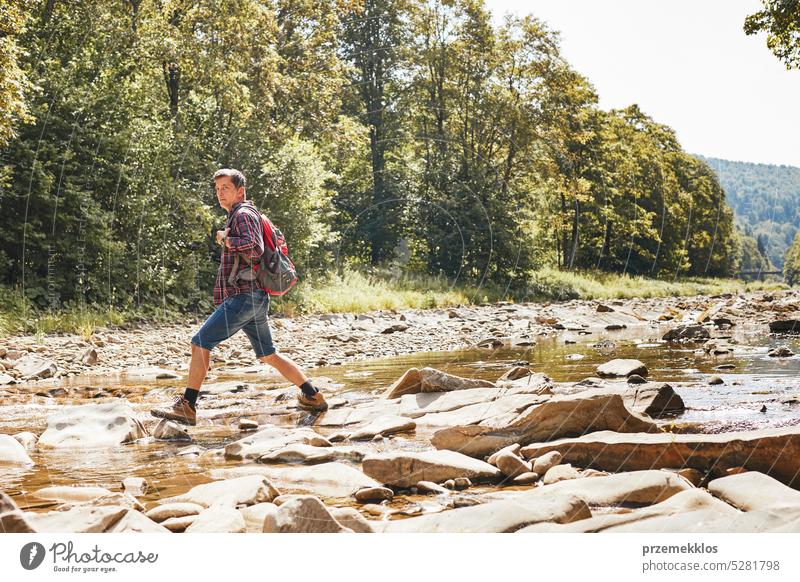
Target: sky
[(687, 64)]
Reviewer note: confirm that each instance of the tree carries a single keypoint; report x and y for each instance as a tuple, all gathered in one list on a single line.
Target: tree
[(780, 19)]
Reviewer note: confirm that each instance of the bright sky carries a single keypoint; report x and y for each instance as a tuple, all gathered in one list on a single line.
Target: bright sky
[(686, 63)]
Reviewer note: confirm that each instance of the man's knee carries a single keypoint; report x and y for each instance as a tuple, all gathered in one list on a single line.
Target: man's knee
[(271, 359)]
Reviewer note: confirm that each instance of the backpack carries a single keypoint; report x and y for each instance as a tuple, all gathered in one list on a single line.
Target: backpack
[(274, 270)]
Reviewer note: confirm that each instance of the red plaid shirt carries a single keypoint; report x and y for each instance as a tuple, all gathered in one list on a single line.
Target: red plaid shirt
[(246, 237)]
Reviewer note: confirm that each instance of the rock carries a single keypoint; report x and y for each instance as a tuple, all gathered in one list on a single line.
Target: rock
[(383, 425), (513, 449), (271, 439), (395, 328), (754, 491), (511, 465), (528, 478), (32, 366), (254, 516), (588, 411), (516, 373), (170, 510), (616, 326), (135, 522), (149, 373), (352, 519), (428, 487), (71, 493), (299, 453), (545, 462), (27, 439), (194, 450), (416, 380), (178, 524), (687, 332), (771, 451), (12, 452), (218, 519), (785, 326), (370, 494), (77, 520), (715, 381), (7, 503), (92, 425), (245, 424), (325, 479), (494, 517), (15, 522), (401, 469), (135, 485), (604, 308), (167, 430), (560, 473), (247, 490), (89, 357), (683, 502), (780, 352), (304, 514), (620, 367), (462, 483), (449, 484)]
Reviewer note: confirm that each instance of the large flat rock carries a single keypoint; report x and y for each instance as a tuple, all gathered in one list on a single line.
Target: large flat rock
[(271, 439), (244, 490), (404, 469), (417, 380), (754, 491), (774, 452), (326, 479), (92, 425), (560, 416)]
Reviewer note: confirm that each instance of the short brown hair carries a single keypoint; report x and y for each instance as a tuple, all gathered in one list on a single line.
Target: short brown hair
[(236, 176)]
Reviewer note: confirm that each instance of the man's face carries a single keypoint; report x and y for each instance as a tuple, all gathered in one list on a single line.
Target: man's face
[(227, 193)]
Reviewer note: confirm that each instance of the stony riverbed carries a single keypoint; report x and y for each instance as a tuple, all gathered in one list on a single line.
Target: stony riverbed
[(676, 414)]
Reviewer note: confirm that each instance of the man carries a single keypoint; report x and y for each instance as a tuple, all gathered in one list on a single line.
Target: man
[(241, 305)]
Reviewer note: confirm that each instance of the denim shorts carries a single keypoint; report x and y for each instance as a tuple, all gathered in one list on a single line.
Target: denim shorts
[(246, 311)]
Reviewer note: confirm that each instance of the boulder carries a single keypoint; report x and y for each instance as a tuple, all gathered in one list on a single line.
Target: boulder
[(634, 488), (27, 439), (687, 332), (622, 368), (352, 519), (299, 453), (167, 430), (546, 462), (77, 520), (178, 524), (135, 522), (168, 510), (754, 491), (135, 485), (416, 380), (511, 465), (12, 452), (689, 500), (303, 514), (405, 469), (383, 425), (271, 439), (325, 479), (247, 490), (772, 451), (560, 473), (780, 352), (32, 366), (218, 519), (516, 373), (254, 516), (560, 416), (372, 494), (495, 516), (92, 425)]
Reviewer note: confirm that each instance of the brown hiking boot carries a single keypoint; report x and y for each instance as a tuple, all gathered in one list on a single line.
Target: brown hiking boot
[(180, 411), (316, 403)]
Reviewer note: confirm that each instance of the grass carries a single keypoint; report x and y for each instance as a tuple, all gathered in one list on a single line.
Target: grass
[(356, 292)]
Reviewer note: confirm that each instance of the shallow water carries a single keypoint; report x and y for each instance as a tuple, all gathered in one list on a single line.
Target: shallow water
[(757, 380)]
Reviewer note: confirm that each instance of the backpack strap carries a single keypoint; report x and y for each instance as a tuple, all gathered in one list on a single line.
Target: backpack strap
[(236, 256)]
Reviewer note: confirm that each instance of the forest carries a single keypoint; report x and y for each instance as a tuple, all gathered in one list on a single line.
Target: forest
[(413, 136)]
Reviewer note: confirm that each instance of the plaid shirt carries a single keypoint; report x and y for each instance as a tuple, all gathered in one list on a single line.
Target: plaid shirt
[(246, 237)]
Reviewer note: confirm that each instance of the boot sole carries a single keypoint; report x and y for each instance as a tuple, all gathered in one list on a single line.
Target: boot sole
[(169, 416)]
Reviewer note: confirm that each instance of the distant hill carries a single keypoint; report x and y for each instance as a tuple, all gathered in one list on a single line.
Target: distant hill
[(766, 202)]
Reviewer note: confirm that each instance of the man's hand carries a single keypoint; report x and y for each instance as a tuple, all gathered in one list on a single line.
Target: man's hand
[(222, 235)]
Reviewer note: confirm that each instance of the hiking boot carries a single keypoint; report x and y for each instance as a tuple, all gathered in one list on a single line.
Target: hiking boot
[(180, 411), (316, 403)]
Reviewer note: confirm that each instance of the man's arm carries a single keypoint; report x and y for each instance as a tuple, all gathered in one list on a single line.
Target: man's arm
[(250, 241)]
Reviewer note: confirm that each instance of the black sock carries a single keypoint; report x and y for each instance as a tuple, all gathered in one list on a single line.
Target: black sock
[(191, 396), (308, 389)]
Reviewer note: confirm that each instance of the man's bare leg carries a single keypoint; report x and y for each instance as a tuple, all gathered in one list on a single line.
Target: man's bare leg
[(198, 368), (292, 372)]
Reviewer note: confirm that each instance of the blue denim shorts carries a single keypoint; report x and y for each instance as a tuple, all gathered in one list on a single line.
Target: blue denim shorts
[(246, 311)]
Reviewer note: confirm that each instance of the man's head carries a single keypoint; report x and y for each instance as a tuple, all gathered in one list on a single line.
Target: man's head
[(230, 186)]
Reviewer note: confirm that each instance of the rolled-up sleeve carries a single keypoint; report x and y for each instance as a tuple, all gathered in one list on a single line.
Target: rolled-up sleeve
[(249, 240)]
